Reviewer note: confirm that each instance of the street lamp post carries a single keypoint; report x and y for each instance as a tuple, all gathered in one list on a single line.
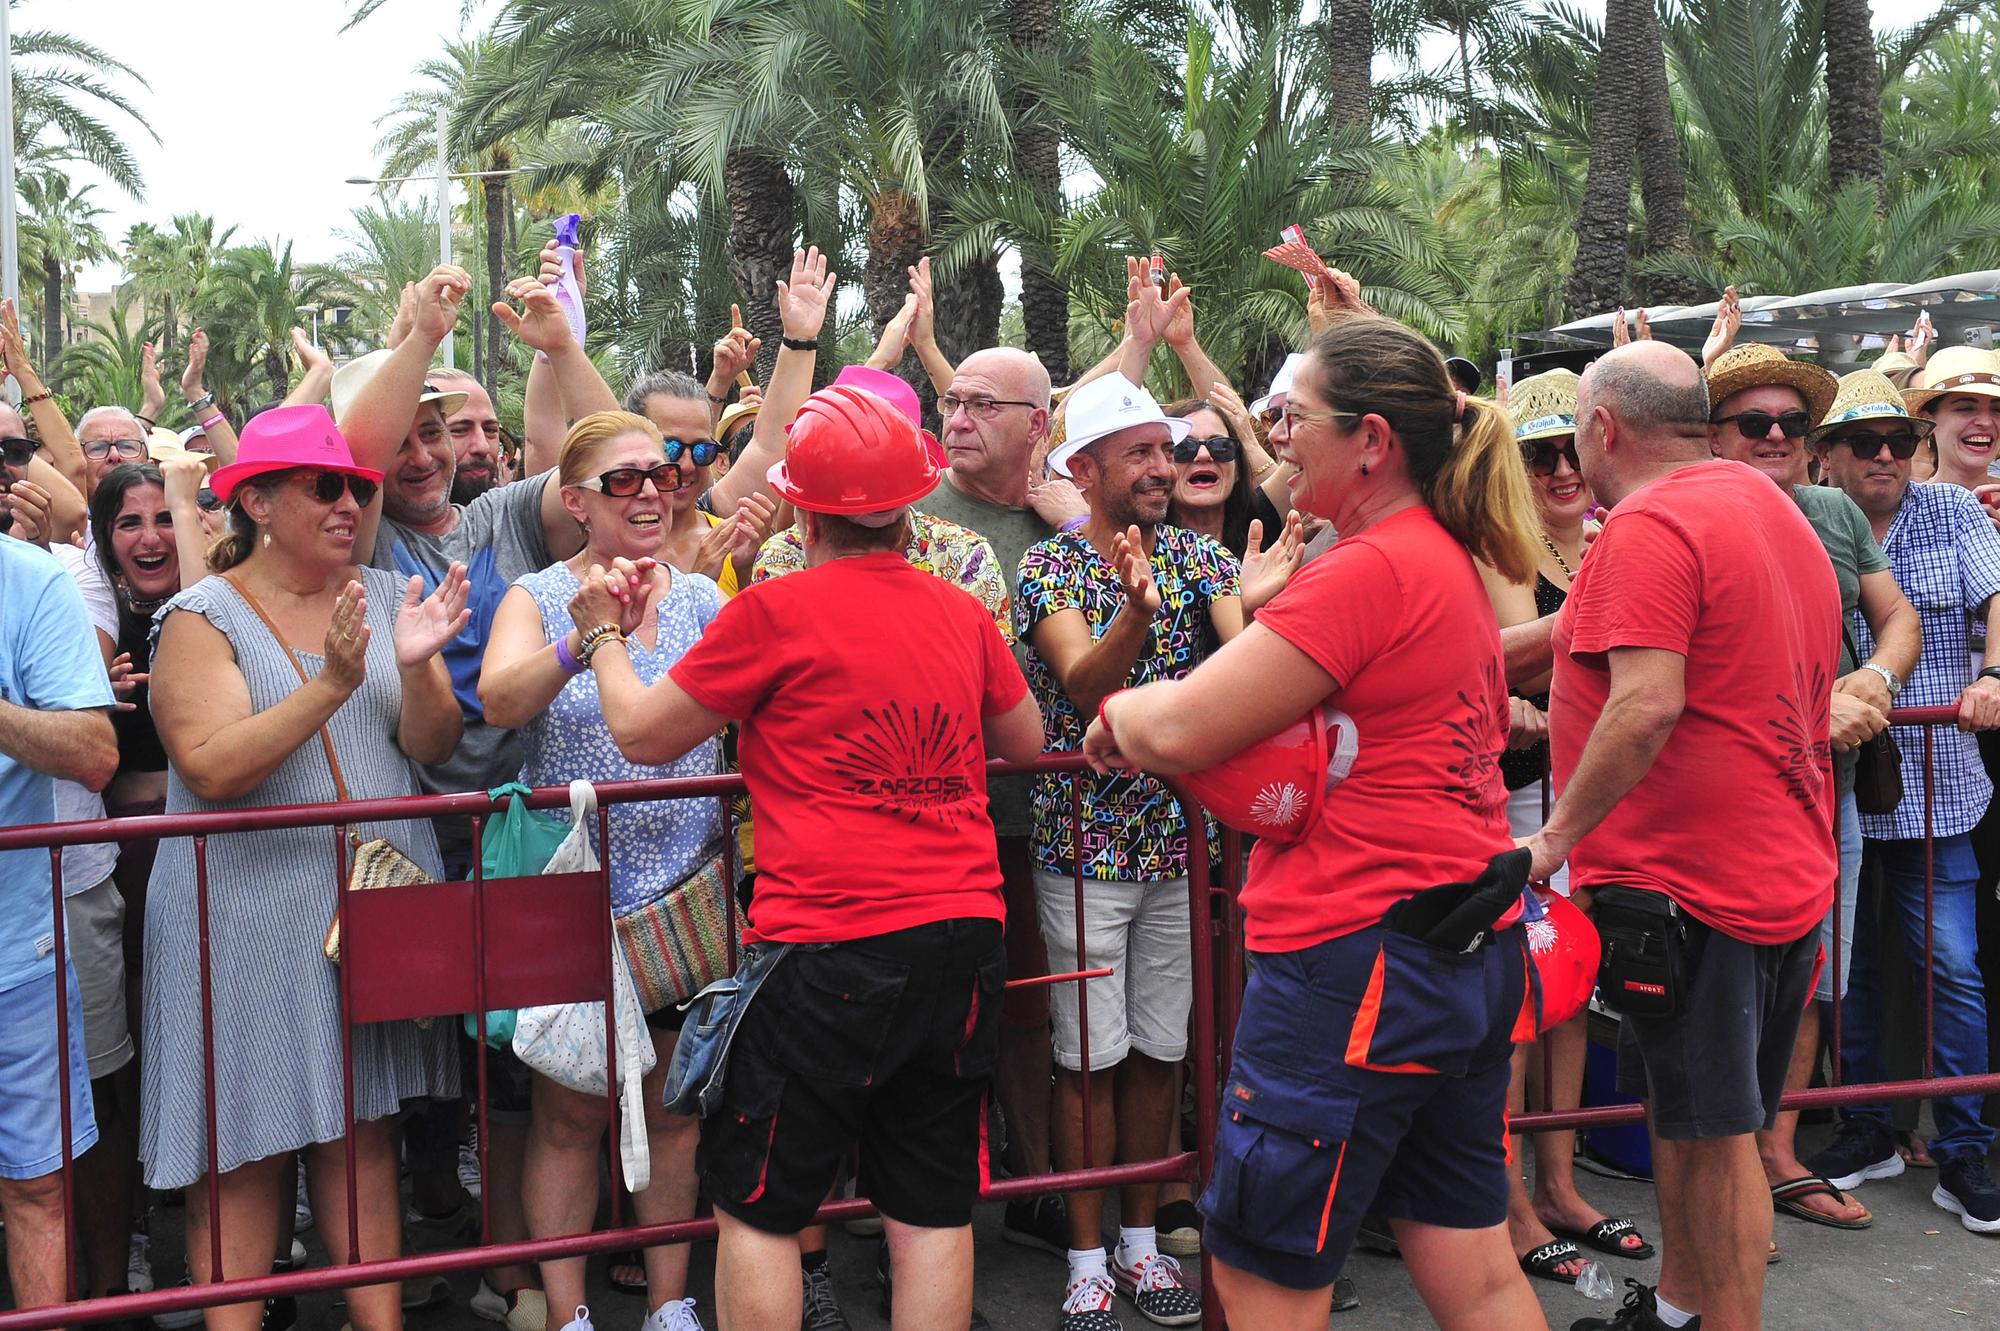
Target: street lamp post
[(10, 241)]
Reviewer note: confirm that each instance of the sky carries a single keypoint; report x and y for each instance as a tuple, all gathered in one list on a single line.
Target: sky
[(263, 107)]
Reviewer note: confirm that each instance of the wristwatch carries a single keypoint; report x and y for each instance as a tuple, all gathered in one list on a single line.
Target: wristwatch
[(205, 400), (1889, 677)]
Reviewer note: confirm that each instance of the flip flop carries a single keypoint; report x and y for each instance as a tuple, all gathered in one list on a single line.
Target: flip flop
[(1772, 1257), (622, 1260), (1785, 1197), (1604, 1235), (1913, 1151), (1542, 1262)]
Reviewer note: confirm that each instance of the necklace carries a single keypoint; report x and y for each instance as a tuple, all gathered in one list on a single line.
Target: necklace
[(1561, 563)]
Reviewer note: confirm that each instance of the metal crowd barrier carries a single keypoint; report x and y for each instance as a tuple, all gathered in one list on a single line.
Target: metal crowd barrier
[(469, 946)]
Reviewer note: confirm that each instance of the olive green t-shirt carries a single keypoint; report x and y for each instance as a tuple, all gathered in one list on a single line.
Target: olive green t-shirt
[(1850, 543)]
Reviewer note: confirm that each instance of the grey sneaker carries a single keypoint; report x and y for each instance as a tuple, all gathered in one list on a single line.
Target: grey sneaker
[(822, 1311)]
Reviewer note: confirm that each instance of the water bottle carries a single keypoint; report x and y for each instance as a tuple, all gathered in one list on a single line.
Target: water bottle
[(569, 291)]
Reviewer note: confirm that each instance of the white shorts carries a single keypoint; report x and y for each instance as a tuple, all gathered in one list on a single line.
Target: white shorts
[(94, 921), (1139, 930), (1524, 818)]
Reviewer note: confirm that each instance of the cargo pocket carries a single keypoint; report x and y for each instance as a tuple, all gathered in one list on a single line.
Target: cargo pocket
[(837, 1010), (1424, 1009), (1277, 1165), (979, 1051)]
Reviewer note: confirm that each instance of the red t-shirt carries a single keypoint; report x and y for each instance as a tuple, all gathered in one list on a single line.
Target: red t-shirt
[(1734, 820), (1397, 615), (861, 685)]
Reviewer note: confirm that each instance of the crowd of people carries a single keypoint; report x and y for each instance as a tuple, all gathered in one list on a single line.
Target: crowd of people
[(1572, 617)]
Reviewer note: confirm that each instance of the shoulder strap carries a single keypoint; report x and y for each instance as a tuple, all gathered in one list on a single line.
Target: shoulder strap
[(325, 738)]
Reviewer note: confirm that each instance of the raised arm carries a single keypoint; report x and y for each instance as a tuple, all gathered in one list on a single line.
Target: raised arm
[(318, 377), (581, 388), (733, 355), (430, 723), (802, 306), (215, 427), (377, 421), (923, 329), (1090, 669), (1179, 336), (183, 477), (58, 439)]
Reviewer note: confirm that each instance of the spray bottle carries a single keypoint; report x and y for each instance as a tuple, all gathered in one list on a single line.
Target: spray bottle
[(569, 291)]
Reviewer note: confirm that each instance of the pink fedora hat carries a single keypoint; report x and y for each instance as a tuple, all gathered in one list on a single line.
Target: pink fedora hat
[(883, 384), (287, 437)]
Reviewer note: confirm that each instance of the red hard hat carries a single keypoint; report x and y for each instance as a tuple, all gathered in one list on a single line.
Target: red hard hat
[(852, 451), (1564, 947), (1275, 788)]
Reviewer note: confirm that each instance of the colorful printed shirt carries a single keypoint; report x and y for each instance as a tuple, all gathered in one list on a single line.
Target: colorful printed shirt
[(959, 555), (1133, 828)]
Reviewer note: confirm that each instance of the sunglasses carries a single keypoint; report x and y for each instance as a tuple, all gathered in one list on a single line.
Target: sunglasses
[(624, 482), (1540, 456), (1757, 424), (17, 452), (1867, 447), (208, 500), (701, 451), (1221, 448), (327, 485), (99, 449)]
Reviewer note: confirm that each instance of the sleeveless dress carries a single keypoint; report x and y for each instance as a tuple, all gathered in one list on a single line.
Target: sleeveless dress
[(654, 844), (271, 895)]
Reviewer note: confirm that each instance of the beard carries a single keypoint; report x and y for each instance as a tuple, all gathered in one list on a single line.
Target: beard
[(468, 486)]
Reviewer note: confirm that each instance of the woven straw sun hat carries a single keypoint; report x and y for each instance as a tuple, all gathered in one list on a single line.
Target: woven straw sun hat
[(1956, 370), (1866, 395), (1544, 405), (1754, 365)]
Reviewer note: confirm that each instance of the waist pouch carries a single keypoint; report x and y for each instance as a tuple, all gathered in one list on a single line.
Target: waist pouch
[(701, 1054), (1651, 947)]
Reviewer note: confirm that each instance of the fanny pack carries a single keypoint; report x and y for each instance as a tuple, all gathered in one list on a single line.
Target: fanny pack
[(1651, 947), (701, 1054)]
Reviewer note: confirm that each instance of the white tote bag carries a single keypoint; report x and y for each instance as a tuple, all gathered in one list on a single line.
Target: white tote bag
[(565, 1041)]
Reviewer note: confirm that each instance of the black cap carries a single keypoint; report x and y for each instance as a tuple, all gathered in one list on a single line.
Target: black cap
[(1464, 373)]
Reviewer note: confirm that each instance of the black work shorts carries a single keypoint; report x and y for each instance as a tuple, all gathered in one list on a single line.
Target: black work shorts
[(886, 1042), (1718, 1068)]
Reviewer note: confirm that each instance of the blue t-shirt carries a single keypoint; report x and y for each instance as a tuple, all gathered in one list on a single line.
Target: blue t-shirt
[(49, 662)]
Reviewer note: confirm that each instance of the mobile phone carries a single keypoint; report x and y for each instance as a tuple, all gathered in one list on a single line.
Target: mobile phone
[(1503, 368)]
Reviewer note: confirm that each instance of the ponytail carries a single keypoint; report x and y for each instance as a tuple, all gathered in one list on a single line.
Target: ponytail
[(1481, 493), (235, 544)]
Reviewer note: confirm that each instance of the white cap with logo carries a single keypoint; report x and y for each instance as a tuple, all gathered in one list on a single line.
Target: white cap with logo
[(1105, 406), (1281, 384)]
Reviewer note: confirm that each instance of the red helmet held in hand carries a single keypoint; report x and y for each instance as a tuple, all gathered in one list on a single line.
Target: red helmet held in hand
[(1276, 787), (852, 452), (1564, 947)]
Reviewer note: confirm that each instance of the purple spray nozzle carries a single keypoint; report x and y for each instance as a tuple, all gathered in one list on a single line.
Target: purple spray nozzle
[(566, 229)]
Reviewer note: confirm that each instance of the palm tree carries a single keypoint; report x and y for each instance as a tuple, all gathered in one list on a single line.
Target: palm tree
[(59, 234), (251, 308), (62, 88), (1597, 278), (1032, 27), (1662, 180), (387, 247), (104, 368), (172, 267), (1853, 93)]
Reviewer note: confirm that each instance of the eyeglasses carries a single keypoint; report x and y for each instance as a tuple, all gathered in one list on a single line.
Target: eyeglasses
[(99, 449), (1220, 447), (1540, 456), (979, 408), (1757, 424), (17, 452), (327, 486), (1867, 446), (624, 482), (1293, 416), (701, 451), (207, 499)]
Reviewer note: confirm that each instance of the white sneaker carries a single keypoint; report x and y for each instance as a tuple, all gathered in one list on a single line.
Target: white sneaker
[(1154, 1285), (1087, 1306), (302, 1211), (185, 1317), (527, 1311), (673, 1315), (580, 1322), (139, 1264)]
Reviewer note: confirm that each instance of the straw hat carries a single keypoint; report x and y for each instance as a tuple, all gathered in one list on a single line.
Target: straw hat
[(1544, 405), (349, 379), (1956, 370), (163, 445), (1866, 395), (1754, 365)]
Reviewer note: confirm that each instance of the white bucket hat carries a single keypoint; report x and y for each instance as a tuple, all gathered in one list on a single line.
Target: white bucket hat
[(1105, 406), (1281, 384)]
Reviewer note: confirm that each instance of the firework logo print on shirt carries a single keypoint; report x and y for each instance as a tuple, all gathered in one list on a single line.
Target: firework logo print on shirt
[(910, 764)]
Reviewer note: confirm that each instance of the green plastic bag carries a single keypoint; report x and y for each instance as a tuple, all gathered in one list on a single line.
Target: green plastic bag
[(517, 843)]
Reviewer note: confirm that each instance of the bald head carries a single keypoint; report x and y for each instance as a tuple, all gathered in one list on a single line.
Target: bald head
[(1002, 414), (1019, 371), (1641, 411)]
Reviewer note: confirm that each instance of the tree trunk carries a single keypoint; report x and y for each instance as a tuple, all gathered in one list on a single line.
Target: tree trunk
[(762, 228), (1349, 27), (52, 304), (1032, 26), (496, 271), (968, 315), (1662, 179), (1853, 94), (896, 234), (278, 366), (1597, 278)]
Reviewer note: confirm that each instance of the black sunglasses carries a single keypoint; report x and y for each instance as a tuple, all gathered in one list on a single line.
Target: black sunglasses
[(207, 500), (17, 452), (1540, 456), (624, 482), (1757, 424), (1866, 446), (327, 486), (1220, 447), (701, 451)]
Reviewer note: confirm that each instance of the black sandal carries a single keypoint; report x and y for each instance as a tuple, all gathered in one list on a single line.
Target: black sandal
[(633, 1259), (1542, 1262), (1604, 1235)]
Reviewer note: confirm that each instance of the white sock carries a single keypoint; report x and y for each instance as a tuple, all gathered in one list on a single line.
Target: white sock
[(1087, 1262), (1135, 1245), (1669, 1314)]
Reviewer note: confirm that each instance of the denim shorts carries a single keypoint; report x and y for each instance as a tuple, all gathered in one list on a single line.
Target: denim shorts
[(1370, 1072), (30, 1094)]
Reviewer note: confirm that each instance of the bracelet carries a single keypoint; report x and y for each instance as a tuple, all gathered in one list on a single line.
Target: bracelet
[(592, 638), (564, 659), (718, 401), (800, 343), (33, 398), (1990, 672), (1075, 522), (1104, 720), (217, 419), (145, 420)]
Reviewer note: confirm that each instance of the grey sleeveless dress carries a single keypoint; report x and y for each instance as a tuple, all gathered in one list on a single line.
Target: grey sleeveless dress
[(271, 895)]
